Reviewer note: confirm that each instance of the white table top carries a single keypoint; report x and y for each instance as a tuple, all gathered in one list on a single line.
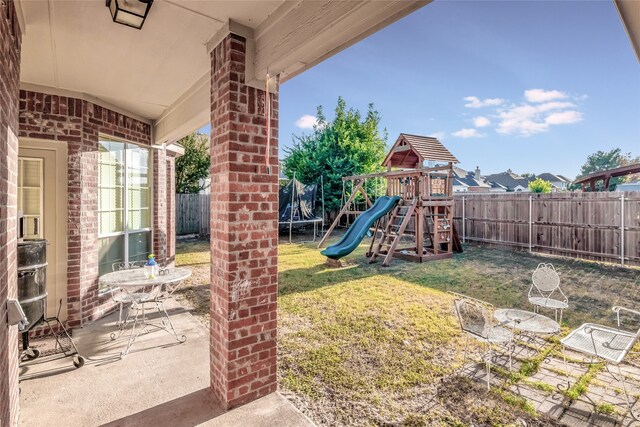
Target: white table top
[(527, 321), (136, 277)]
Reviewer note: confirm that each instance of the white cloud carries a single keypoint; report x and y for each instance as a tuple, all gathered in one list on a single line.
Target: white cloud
[(541, 95), (563, 117), (481, 122), (307, 121), (468, 133), (475, 102), (540, 110), (527, 120)]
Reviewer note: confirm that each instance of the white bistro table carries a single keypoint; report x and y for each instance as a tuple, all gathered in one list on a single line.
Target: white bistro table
[(159, 289), (527, 323)]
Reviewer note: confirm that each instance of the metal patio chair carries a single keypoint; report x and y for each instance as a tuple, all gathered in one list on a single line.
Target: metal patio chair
[(477, 321), (610, 345), (545, 290), (121, 297), (158, 297)]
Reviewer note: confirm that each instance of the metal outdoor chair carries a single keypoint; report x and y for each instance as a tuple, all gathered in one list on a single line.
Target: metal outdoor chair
[(477, 321), (545, 290), (611, 345), (121, 297)]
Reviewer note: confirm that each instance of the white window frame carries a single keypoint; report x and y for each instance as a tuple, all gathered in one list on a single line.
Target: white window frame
[(126, 232)]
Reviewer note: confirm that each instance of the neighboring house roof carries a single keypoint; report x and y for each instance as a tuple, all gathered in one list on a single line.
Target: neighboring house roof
[(457, 181), (409, 151), (470, 181), (459, 172), (565, 178), (553, 178), (496, 185), (509, 179)]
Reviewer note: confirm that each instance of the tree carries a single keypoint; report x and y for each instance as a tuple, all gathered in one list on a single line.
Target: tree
[(605, 160), (192, 168), (540, 186), (347, 145)]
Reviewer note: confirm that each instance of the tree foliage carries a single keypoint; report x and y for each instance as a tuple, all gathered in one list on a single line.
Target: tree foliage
[(540, 186), (605, 160), (192, 168), (350, 144)]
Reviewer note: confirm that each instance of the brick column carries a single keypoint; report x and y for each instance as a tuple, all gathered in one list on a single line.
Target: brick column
[(244, 232), (160, 205), (10, 40), (171, 210)]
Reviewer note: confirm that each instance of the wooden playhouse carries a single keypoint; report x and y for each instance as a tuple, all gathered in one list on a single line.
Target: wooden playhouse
[(420, 228)]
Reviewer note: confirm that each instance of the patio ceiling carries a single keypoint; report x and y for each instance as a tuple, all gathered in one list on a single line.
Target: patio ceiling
[(161, 73)]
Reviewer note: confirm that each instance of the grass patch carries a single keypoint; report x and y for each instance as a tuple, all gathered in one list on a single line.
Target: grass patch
[(605, 408), (580, 386), (367, 345)]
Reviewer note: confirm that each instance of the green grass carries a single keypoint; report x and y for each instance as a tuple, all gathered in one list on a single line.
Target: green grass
[(369, 345)]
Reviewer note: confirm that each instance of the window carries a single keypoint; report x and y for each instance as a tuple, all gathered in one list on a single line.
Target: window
[(124, 203)]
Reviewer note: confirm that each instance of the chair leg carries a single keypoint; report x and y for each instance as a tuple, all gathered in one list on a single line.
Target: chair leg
[(560, 316), (466, 345), (488, 365), (624, 388), (119, 324)]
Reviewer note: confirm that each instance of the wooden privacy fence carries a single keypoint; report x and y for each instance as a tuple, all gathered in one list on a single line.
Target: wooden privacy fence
[(596, 226), (192, 214)]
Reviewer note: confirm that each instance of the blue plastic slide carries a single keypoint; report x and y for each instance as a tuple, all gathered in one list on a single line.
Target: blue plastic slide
[(360, 227)]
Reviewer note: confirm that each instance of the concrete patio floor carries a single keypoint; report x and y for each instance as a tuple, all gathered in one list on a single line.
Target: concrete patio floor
[(159, 383)]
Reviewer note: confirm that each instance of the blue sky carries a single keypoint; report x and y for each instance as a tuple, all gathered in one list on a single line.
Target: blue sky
[(532, 86)]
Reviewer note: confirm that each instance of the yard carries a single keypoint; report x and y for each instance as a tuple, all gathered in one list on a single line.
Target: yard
[(368, 345)]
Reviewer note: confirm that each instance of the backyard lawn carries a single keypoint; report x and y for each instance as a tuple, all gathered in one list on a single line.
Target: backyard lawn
[(372, 345)]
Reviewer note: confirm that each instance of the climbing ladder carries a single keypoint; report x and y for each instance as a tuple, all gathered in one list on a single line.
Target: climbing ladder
[(438, 229), (393, 232)]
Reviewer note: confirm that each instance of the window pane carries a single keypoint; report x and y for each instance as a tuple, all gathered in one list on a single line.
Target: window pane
[(139, 246), (111, 186), (111, 249), (138, 191)]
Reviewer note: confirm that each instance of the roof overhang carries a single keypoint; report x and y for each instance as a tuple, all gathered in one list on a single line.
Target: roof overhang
[(611, 173), (410, 151), (162, 72), (629, 11)]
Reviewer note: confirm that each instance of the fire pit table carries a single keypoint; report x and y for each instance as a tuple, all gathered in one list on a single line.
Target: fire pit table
[(159, 289)]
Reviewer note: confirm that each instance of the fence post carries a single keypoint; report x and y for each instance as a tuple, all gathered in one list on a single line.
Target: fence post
[(464, 222), (622, 230), (530, 224)]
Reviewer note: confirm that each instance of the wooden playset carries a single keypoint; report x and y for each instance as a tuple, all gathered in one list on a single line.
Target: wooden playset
[(420, 227)]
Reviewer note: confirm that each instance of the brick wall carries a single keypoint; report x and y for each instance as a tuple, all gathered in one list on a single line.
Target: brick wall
[(10, 40), (244, 232), (79, 123)]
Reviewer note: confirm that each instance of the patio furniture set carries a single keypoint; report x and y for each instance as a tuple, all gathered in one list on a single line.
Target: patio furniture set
[(131, 285), (500, 329)]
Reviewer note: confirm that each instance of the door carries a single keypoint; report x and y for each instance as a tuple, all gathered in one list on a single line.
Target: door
[(42, 198)]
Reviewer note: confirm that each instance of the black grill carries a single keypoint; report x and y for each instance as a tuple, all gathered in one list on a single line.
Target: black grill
[(32, 282)]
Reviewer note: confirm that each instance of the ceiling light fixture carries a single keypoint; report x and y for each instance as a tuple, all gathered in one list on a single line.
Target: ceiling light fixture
[(131, 13)]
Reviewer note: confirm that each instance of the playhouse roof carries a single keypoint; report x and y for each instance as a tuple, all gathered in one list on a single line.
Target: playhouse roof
[(409, 151)]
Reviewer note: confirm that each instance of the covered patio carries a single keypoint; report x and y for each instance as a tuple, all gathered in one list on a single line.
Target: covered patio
[(93, 109), (99, 105)]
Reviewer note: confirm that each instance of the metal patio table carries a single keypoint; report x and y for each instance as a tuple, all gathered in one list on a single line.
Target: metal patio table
[(527, 324), (159, 288)]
